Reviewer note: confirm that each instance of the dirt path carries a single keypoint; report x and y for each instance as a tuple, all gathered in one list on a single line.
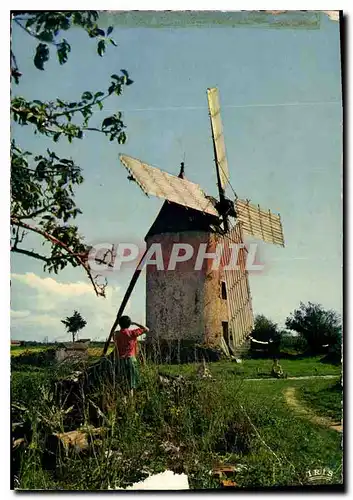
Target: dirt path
[(300, 409), (304, 377)]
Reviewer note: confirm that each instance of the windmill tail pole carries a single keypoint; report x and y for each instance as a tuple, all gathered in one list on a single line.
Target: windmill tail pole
[(127, 295)]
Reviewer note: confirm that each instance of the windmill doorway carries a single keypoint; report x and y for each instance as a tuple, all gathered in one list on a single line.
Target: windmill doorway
[(225, 331)]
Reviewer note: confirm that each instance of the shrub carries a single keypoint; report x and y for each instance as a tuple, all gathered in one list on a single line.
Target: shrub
[(318, 326), (39, 359)]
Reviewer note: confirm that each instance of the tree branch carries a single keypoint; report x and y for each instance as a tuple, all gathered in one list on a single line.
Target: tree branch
[(55, 241), (93, 129), (14, 60), (29, 254), (69, 111), (32, 215), (29, 32)]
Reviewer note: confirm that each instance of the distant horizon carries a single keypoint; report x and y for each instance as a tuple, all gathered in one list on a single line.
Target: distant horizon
[(142, 338)]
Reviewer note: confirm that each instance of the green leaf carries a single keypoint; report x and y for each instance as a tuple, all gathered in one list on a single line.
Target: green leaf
[(108, 121), (41, 56), (63, 49), (98, 94), (101, 47), (109, 30), (87, 96), (113, 42), (122, 138), (30, 21), (46, 36), (56, 137)]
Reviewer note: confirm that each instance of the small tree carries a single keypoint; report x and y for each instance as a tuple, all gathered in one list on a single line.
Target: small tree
[(265, 329), (74, 324), (318, 326)]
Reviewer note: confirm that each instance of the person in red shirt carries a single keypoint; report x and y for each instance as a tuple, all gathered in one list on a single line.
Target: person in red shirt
[(125, 341)]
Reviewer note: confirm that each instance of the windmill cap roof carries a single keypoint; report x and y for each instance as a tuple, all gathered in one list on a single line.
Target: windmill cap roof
[(174, 218)]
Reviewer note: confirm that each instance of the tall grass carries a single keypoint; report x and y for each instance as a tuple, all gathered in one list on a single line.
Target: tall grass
[(185, 424), (174, 426)]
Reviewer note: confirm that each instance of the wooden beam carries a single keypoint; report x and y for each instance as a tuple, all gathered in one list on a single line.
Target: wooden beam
[(127, 295)]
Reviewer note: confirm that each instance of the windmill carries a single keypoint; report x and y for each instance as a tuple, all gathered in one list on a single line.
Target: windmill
[(208, 306)]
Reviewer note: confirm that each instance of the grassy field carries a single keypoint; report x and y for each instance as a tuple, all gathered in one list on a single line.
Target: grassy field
[(94, 352), (254, 368), (190, 428), (325, 398), (249, 368), (18, 350)]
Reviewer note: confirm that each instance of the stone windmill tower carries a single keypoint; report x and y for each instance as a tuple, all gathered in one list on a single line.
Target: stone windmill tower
[(195, 298), (184, 300)]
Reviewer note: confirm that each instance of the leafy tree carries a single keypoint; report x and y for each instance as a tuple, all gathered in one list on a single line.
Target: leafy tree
[(318, 326), (42, 184), (265, 329), (293, 343), (74, 324)]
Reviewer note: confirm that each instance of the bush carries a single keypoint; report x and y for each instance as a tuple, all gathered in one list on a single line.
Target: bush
[(293, 343), (40, 359), (266, 330), (319, 327)]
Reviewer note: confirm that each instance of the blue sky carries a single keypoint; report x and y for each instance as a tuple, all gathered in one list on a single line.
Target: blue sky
[(280, 93)]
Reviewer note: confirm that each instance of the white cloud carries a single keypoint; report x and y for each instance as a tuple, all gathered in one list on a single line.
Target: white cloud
[(52, 286), (35, 320), (19, 314), (39, 304)]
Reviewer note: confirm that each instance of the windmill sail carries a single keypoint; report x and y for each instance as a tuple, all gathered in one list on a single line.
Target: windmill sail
[(218, 137), (261, 224), (240, 314), (155, 182)]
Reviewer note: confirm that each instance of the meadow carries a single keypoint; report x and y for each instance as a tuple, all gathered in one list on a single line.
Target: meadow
[(186, 424)]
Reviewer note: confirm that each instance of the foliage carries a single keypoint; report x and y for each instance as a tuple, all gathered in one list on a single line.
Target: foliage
[(34, 358), (42, 185), (74, 324), (291, 343), (335, 353), (318, 326), (265, 329)]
